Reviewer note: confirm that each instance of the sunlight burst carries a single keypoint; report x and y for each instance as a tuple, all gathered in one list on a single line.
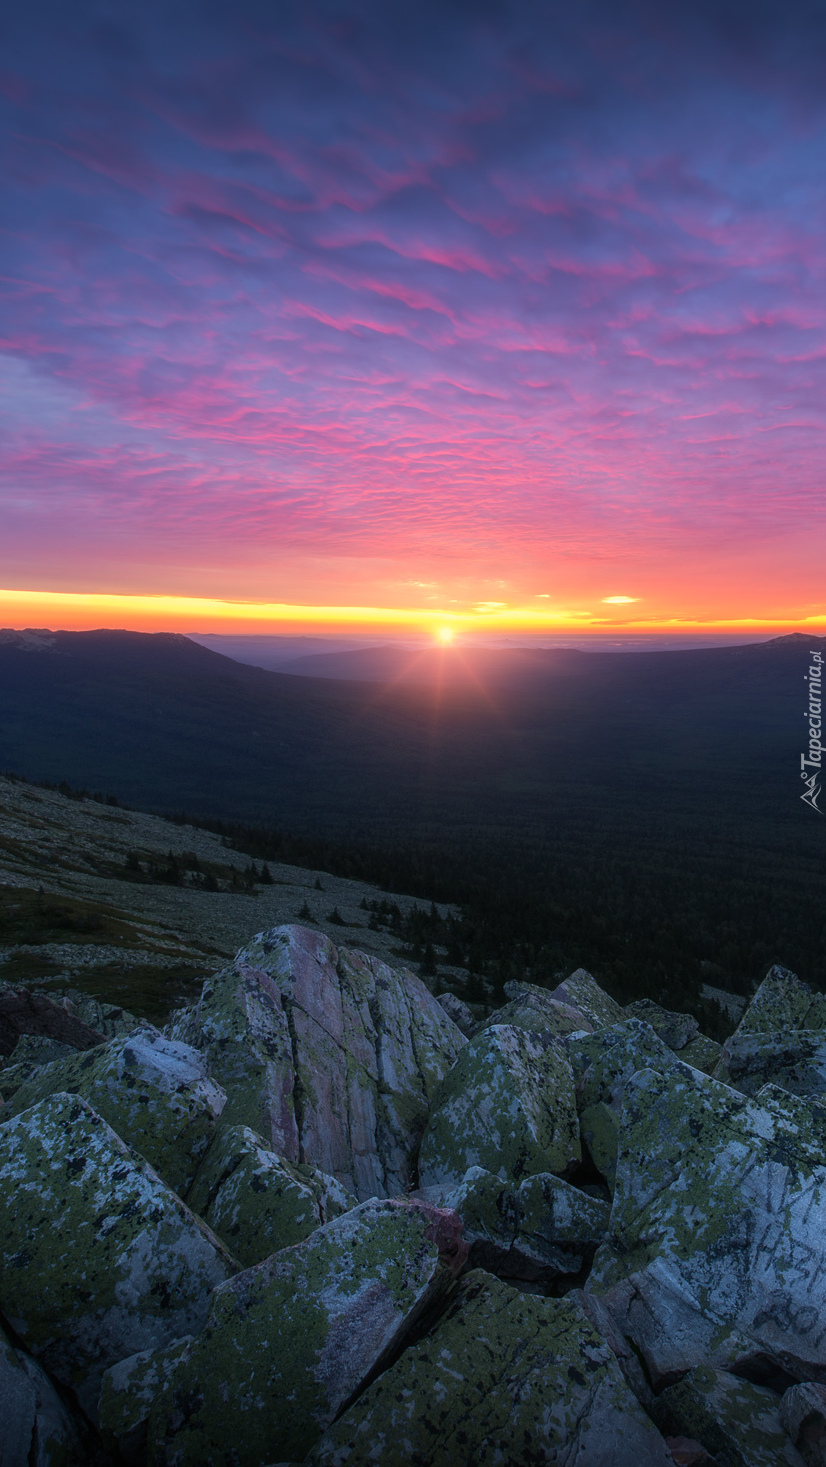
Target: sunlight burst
[(445, 635)]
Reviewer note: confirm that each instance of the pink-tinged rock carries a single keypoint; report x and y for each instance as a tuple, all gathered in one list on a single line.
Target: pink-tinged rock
[(291, 1341), (328, 1053)]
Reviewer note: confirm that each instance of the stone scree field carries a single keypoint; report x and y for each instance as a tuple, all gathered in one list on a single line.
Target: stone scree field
[(320, 1219)]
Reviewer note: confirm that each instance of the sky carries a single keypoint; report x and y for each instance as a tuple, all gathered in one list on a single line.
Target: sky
[(500, 316)]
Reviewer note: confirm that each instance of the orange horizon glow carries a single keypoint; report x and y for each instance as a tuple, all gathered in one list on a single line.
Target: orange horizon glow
[(81, 611)]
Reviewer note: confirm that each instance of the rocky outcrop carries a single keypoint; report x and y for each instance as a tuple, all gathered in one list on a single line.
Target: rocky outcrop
[(156, 1093), (23, 1012), (288, 1343), (543, 1387), (595, 1254), (507, 1105), (97, 1254), (257, 1202), (329, 1054)]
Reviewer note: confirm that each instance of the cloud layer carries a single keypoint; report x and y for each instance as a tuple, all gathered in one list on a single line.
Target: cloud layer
[(517, 297)]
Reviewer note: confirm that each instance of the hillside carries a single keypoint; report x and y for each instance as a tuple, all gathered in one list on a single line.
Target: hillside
[(637, 814), (137, 910)]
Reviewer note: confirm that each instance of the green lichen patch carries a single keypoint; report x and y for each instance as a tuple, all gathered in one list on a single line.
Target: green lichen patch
[(736, 1422), (794, 1059), (702, 1054), (502, 1380), (507, 1105), (97, 1254), (533, 1008), (258, 1202), (289, 1342), (128, 1391), (717, 1225), (603, 1062), (783, 1002), (675, 1030), (582, 992), (154, 1092), (599, 1125)]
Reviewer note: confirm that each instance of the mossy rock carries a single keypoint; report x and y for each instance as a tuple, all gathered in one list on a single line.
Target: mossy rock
[(97, 1254), (599, 1126), (675, 1030), (533, 1008), (536, 1230), (702, 1054), (738, 1423), (507, 1105), (329, 1054), (781, 1003), (127, 1393), (604, 1061), (288, 1343), (258, 1202), (795, 1060), (582, 992), (154, 1092), (502, 1380), (717, 1224)]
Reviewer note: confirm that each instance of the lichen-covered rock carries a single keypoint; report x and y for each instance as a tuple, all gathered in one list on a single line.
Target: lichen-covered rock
[(538, 1229), (799, 1120), (502, 1380), (737, 1422), (599, 1127), (154, 1092), (795, 1060), (457, 1010), (329, 1054), (127, 1393), (702, 1054), (36, 1429), (507, 1105), (717, 1228), (97, 1256), (803, 1416), (23, 1011), (582, 992), (675, 1030), (258, 1202), (289, 1342), (534, 1008), (783, 1002)]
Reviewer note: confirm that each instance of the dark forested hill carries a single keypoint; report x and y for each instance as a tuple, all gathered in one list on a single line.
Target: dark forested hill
[(627, 805)]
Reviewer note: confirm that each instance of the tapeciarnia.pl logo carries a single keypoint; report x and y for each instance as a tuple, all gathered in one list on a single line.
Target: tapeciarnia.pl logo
[(814, 678)]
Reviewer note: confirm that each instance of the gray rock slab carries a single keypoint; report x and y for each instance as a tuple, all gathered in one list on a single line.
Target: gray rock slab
[(675, 1030), (36, 1429), (156, 1093), (502, 1380), (329, 1054), (783, 1002), (795, 1060), (582, 992), (288, 1343), (97, 1254), (717, 1233), (737, 1422), (258, 1202), (507, 1105), (803, 1416)]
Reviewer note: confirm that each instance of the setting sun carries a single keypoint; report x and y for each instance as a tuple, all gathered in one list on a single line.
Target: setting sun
[(445, 635)]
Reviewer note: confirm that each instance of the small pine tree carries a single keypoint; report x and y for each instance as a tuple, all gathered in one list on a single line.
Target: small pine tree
[(305, 914), (335, 916), (318, 885), (266, 876)]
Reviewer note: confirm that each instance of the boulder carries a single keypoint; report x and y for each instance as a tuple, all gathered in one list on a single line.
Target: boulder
[(503, 1378), (702, 1054), (24, 1012), (289, 1342), (507, 1105), (533, 1008), (736, 1422), (330, 1055), (783, 1002), (537, 1230), (795, 1060), (258, 1202), (36, 1430), (803, 1416), (97, 1255), (127, 1394), (675, 1030), (603, 1063), (717, 1227), (457, 1010), (582, 992), (154, 1092)]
